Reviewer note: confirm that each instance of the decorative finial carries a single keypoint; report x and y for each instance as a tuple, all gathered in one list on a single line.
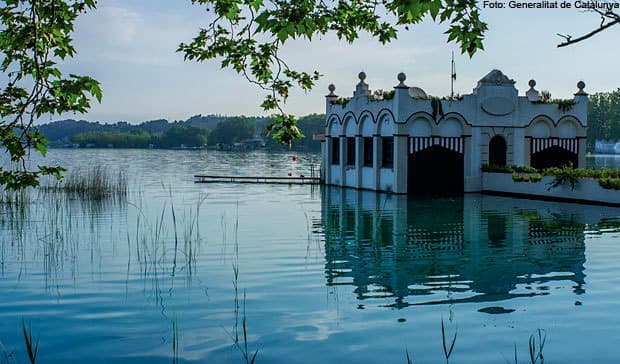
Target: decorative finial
[(581, 85), (331, 89), (362, 76), (401, 78), (532, 94)]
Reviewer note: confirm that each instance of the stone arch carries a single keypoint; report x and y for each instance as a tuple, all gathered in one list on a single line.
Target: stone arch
[(334, 128), (385, 123), (420, 125), (452, 119), (570, 127), (540, 127), (349, 126), (450, 128), (349, 114), (331, 118), (366, 126)]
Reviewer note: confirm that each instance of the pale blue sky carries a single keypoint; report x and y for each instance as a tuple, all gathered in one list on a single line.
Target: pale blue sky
[(129, 46)]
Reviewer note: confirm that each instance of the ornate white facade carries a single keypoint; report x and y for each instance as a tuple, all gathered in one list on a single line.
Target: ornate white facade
[(407, 143)]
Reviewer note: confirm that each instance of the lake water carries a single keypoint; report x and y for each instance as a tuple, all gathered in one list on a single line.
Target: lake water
[(318, 275)]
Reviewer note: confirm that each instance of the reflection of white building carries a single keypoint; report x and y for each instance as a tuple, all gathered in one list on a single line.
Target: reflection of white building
[(480, 248), (404, 144)]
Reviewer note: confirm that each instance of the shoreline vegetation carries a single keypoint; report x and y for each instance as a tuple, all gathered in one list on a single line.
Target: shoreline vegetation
[(607, 178), (198, 132), (97, 184)]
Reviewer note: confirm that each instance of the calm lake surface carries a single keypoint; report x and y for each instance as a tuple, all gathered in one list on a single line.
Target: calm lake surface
[(318, 275)]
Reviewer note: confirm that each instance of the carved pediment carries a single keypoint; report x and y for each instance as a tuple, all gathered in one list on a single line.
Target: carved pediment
[(495, 78)]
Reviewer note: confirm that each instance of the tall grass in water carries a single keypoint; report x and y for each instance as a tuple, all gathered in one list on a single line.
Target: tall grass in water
[(97, 183), (31, 346), (248, 357), (447, 351), (175, 341), (536, 347)]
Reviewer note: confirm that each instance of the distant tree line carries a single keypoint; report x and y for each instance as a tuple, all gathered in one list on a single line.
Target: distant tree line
[(195, 132), (603, 117), (176, 136)]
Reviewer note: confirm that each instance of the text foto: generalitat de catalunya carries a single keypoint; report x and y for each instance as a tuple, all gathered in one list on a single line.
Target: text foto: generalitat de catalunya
[(553, 5)]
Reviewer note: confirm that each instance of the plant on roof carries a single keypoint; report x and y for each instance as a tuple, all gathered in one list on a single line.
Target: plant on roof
[(437, 108), (565, 105), (343, 101)]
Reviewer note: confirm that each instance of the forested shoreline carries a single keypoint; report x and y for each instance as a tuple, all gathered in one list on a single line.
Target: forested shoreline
[(603, 117), (197, 131)]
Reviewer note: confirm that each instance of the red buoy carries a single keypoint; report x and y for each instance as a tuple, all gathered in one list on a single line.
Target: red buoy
[(294, 158)]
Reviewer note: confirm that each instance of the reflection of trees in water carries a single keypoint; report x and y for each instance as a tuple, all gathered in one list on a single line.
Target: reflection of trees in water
[(448, 250)]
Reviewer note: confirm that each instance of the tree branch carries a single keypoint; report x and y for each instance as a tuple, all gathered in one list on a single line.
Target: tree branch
[(568, 40)]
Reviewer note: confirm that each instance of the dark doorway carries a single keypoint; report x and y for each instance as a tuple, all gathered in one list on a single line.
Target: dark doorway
[(497, 151), (435, 170), (553, 157)]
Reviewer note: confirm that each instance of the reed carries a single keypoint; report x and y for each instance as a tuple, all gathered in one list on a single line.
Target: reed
[(175, 341), (447, 351), (32, 347), (536, 347), (244, 349), (97, 183)]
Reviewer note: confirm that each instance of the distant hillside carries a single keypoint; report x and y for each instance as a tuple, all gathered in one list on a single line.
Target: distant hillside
[(63, 132)]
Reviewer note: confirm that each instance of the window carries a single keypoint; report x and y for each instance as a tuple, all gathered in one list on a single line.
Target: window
[(350, 151), (387, 152), (335, 150), (368, 152)]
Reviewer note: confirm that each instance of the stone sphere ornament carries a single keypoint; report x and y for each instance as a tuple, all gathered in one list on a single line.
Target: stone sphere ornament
[(581, 85)]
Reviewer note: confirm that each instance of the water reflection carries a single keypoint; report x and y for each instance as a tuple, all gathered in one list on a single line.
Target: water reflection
[(471, 249)]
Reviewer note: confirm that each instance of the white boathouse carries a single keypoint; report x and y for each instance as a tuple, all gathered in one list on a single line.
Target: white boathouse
[(407, 142)]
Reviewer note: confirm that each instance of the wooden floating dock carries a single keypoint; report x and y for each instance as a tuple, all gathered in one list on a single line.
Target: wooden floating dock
[(288, 180)]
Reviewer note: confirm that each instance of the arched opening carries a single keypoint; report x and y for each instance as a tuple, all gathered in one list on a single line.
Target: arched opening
[(553, 157), (435, 170), (497, 151)]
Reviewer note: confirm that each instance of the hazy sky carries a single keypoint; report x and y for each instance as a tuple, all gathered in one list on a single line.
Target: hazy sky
[(129, 46)]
